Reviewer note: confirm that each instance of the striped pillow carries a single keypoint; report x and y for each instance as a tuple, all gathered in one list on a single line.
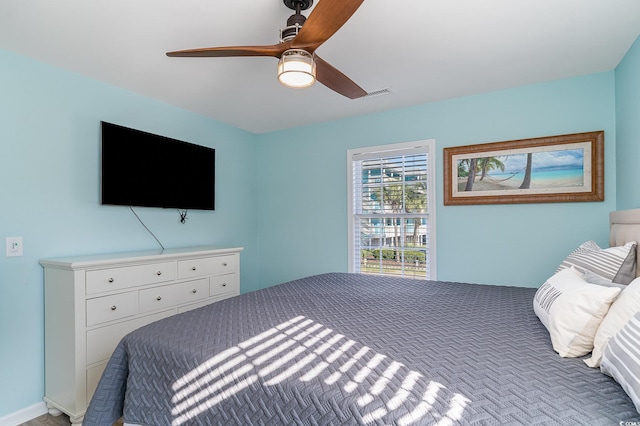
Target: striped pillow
[(616, 264), (621, 359)]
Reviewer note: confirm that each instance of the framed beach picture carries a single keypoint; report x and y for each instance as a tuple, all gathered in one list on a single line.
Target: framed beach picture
[(554, 169)]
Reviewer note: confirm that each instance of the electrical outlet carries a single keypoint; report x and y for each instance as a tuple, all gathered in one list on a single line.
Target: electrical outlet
[(14, 246)]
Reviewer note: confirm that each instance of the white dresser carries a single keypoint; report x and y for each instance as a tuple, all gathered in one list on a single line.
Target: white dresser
[(91, 302)]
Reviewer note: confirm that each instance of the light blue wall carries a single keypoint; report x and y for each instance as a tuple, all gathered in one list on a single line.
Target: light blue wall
[(303, 196), (628, 129), (49, 195)]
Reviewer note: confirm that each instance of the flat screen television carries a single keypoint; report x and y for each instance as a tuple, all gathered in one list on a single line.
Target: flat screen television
[(147, 170)]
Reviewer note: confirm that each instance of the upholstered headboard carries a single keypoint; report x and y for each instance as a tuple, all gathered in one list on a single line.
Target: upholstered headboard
[(625, 227)]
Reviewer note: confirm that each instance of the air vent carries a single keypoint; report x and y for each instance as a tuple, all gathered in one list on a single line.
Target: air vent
[(375, 93)]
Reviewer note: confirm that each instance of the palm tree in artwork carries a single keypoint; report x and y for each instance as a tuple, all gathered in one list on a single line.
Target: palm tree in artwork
[(471, 177), (526, 182), (463, 168), (487, 164)]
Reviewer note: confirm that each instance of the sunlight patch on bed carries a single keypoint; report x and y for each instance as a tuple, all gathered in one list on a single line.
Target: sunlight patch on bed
[(306, 351)]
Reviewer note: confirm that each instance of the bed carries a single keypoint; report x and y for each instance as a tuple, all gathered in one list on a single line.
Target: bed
[(340, 348)]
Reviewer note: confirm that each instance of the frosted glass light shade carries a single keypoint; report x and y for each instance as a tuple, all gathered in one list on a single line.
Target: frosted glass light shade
[(296, 69)]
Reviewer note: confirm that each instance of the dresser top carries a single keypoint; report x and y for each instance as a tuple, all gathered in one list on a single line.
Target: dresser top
[(85, 261)]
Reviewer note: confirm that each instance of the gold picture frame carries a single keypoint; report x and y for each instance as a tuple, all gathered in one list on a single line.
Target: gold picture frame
[(553, 169)]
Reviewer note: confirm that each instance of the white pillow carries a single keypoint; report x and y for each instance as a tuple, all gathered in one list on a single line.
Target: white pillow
[(572, 309), (620, 312)]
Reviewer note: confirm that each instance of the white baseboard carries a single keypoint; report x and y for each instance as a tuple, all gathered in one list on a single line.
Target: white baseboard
[(24, 415)]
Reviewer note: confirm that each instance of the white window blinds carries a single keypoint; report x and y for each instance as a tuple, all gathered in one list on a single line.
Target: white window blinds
[(391, 210)]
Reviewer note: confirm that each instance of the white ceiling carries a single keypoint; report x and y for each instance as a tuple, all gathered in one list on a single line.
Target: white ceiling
[(421, 50)]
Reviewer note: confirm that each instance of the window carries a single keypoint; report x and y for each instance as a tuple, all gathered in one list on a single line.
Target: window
[(392, 210)]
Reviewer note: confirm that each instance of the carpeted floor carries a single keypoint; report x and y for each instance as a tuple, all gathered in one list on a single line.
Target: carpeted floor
[(49, 420)]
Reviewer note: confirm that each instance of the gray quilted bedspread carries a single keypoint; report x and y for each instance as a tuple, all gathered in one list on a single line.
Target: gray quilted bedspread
[(346, 349)]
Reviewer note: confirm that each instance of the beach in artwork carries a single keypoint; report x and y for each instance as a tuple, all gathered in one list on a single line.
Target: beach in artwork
[(549, 169), (540, 179)]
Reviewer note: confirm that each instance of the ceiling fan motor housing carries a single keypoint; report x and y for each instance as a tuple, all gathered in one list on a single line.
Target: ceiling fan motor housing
[(295, 21)]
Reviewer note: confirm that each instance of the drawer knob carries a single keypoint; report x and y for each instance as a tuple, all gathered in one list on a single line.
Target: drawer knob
[(193, 268), (110, 280), (159, 298), (224, 284), (194, 291), (159, 273), (113, 308), (224, 264)]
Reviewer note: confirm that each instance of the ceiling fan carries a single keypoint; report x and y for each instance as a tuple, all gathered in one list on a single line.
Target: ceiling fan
[(298, 65)]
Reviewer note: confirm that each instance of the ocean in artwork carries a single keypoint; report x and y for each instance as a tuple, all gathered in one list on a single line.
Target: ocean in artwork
[(557, 178)]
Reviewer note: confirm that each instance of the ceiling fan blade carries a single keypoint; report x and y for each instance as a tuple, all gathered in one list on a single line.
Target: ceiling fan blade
[(323, 21), (222, 52), (337, 81)]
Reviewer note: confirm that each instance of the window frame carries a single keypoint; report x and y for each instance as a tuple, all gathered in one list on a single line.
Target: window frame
[(427, 147)]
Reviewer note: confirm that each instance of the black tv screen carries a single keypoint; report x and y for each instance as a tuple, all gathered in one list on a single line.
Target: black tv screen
[(147, 170)]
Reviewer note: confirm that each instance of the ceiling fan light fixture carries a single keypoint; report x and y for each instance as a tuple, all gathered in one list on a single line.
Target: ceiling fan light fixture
[(297, 69)]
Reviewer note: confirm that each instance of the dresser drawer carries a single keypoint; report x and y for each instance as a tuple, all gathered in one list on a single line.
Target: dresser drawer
[(224, 284), (207, 266), (109, 308), (102, 280), (101, 342), (170, 295)]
